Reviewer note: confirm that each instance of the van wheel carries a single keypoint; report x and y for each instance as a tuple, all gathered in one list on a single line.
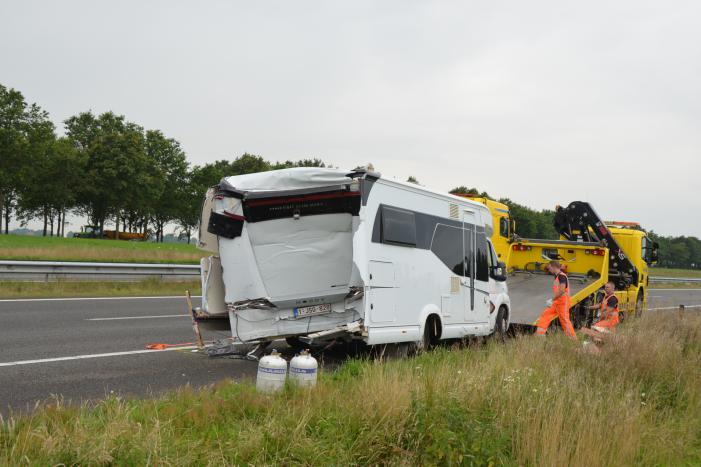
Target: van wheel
[(501, 327), (639, 304), (432, 333)]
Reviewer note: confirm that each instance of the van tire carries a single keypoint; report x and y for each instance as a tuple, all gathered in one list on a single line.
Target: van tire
[(432, 333), (501, 326)]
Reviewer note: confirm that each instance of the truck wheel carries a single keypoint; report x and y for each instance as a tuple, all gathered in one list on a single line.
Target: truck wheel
[(639, 304), (501, 327)]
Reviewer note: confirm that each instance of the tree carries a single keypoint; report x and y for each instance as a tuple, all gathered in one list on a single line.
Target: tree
[(120, 176), (25, 130), (463, 190), (412, 179), (172, 173)]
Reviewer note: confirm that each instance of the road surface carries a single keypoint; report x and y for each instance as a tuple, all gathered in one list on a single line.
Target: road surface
[(34, 333), (58, 346)]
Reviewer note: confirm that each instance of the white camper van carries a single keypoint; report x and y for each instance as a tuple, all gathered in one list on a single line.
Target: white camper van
[(319, 253)]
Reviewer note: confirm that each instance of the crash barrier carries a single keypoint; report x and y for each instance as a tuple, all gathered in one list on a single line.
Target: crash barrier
[(49, 271), (674, 279)]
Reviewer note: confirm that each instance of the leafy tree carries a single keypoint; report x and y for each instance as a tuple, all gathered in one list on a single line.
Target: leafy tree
[(171, 179), (412, 179), (25, 132)]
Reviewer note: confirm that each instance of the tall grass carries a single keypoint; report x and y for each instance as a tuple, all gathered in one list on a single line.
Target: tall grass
[(529, 402), (26, 247)]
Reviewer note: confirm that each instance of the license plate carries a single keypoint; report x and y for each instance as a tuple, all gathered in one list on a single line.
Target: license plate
[(312, 310)]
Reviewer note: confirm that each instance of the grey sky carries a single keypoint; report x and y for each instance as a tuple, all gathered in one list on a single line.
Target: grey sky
[(541, 102)]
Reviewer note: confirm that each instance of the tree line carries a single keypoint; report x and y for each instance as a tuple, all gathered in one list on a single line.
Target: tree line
[(105, 168), (109, 169)]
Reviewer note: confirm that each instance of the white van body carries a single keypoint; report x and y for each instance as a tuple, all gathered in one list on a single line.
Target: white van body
[(318, 253)]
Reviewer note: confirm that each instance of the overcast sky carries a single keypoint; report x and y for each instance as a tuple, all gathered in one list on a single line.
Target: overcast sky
[(541, 102)]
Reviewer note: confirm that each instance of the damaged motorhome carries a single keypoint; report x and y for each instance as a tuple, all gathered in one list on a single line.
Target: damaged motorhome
[(314, 254)]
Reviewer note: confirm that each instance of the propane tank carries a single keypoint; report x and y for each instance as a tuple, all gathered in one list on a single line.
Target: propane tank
[(272, 371), (303, 369)]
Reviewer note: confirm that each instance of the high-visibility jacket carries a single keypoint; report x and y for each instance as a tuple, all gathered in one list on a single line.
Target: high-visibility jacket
[(556, 288), (605, 306)]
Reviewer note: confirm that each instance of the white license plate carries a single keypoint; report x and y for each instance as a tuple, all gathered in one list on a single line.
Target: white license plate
[(312, 310)]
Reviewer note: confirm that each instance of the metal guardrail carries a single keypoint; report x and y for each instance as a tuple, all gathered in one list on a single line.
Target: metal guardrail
[(47, 271), (675, 279)]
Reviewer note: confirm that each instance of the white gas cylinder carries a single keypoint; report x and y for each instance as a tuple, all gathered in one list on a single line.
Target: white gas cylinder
[(303, 369), (272, 371)]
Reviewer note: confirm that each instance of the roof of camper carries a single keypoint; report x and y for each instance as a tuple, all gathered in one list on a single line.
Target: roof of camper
[(288, 179), (300, 178)]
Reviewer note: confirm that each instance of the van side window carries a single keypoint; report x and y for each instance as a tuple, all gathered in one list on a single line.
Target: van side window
[(469, 256), (504, 227), (447, 245), (398, 227), (482, 272)]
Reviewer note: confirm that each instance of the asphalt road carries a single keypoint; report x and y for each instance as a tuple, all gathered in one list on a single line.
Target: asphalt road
[(35, 330), (34, 333)]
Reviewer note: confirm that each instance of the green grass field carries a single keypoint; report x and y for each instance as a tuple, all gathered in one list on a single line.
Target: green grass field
[(666, 272), (64, 289), (529, 402), (25, 247)]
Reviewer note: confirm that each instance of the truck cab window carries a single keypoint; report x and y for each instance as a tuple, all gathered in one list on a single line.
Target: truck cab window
[(504, 227)]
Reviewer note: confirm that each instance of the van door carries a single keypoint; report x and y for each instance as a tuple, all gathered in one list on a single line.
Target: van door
[(469, 233)]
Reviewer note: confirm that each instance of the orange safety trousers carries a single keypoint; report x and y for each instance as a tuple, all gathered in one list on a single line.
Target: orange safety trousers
[(559, 309)]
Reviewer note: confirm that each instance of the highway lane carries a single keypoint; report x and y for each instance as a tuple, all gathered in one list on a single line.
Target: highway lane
[(664, 298), (44, 329), (34, 330)]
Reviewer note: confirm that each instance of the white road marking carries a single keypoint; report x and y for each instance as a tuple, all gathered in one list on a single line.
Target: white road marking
[(135, 317), (87, 298), (97, 355)]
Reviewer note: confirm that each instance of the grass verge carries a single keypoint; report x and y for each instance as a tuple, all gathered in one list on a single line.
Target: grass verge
[(61, 289), (30, 248), (666, 272), (529, 402), (675, 285)]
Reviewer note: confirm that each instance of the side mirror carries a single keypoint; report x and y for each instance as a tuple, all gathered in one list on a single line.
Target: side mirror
[(499, 272)]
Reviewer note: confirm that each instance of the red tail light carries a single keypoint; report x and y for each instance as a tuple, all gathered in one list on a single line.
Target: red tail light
[(521, 248)]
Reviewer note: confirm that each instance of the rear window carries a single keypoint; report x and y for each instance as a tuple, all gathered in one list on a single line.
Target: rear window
[(398, 227)]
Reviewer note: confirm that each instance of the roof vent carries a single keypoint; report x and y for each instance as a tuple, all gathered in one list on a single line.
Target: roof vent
[(454, 211)]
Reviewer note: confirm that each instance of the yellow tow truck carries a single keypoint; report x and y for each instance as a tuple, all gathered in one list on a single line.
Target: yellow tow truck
[(592, 252)]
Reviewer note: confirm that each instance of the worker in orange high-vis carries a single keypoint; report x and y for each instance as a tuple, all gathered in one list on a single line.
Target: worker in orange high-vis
[(559, 305), (608, 320)]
